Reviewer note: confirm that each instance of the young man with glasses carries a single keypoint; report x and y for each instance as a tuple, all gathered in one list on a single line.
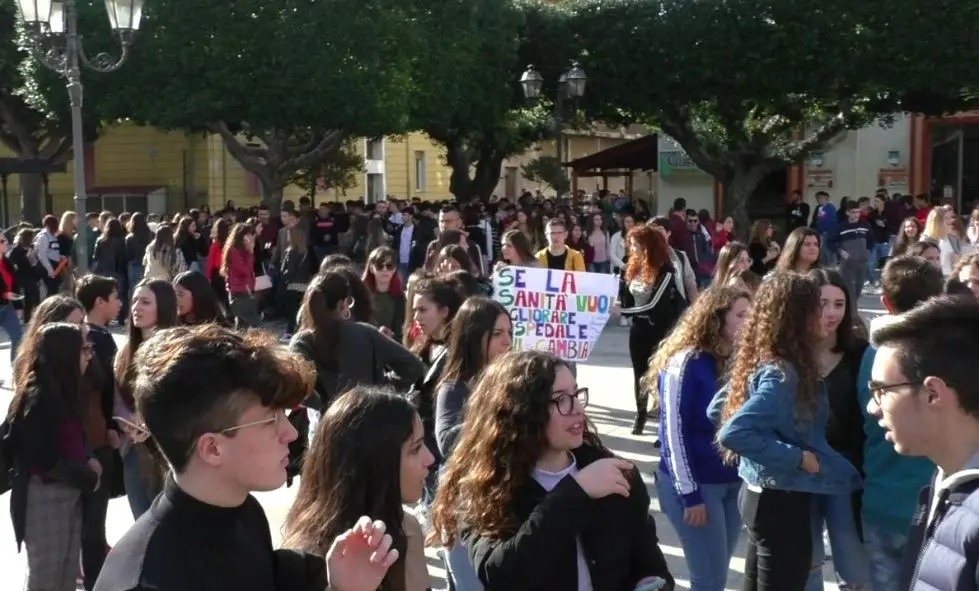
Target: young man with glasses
[(926, 396), (213, 402), (558, 255), (892, 481)]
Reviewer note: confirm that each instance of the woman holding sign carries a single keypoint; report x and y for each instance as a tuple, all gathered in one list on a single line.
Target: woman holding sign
[(658, 304)]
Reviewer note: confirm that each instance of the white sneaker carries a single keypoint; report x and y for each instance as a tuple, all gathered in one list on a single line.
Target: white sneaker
[(623, 321)]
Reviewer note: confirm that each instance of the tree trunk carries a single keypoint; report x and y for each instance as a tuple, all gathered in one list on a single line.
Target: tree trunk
[(487, 174), (738, 190), (272, 195), (32, 198), (457, 157)]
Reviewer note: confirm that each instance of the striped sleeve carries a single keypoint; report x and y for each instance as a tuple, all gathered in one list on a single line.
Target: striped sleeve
[(676, 390)]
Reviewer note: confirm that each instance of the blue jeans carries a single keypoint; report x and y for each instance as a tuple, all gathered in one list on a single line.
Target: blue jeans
[(827, 258), (885, 551), (708, 549), (460, 569), (132, 478), (604, 267), (135, 273), (11, 324), (849, 557), (879, 251)]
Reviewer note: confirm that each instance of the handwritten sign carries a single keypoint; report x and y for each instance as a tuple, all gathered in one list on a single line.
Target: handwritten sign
[(562, 312)]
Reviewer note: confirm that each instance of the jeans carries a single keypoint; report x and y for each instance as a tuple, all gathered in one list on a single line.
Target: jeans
[(134, 274), (827, 258), (11, 324), (122, 290), (460, 569), (849, 558), (708, 549), (403, 270), (779, 553), (880, 251), (854, 274), (132, 477), (603, 267), (885, 551)]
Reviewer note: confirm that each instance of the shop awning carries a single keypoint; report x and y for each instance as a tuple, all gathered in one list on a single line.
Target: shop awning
[(638, 154)]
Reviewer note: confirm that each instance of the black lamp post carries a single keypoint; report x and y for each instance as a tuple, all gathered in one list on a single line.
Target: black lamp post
[(52, 29), (570, 87)]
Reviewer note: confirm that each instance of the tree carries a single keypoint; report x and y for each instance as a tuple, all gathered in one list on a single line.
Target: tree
[(340, 171), (35, 115), (283, 83), (747, 87), (467, 97), (546, 170)]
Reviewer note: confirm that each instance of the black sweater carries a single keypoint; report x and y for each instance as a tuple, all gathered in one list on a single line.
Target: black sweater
[(182, 544), (618, 536)]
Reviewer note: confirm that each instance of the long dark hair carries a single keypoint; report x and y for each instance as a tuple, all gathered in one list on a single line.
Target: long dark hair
[(443, 294), (353, 468), (789, 258), (319, 313), (473, 323), (166, 317), (207, 307), (49, 366), (851, 329)]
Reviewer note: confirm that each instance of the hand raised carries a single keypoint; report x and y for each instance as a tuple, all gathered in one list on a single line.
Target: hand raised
[(360, 557), (608, 476)]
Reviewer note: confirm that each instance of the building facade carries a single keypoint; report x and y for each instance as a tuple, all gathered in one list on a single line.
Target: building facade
[(133, 168)]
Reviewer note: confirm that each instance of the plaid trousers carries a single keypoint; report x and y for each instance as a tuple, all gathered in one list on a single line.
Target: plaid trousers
[(52, 536)]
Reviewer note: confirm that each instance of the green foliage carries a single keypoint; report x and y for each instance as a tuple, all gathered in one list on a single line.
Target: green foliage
[(340, 171), (548, 171), (283, 83), (467, 96), (749, 86)]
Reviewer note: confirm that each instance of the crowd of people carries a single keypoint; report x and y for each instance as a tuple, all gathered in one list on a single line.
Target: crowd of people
[(394, 385)]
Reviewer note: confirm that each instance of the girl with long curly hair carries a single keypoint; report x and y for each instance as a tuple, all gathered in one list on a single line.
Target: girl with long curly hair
[(909, 233), (533, 494), (772, 416), (696, 489), (657, 304)]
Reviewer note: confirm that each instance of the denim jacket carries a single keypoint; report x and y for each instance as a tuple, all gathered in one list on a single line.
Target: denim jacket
[(770, 440)]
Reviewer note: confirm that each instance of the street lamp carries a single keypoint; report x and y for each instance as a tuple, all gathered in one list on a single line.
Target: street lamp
[(570, 87), (52, 30)]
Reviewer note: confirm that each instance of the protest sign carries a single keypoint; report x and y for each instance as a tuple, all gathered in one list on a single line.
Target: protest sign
[(562, 312)]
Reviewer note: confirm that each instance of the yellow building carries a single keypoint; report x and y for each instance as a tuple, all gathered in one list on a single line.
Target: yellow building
[(133, 168)]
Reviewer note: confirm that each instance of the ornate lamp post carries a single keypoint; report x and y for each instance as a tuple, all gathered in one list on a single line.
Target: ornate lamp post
[(52, 30), (570, 87)]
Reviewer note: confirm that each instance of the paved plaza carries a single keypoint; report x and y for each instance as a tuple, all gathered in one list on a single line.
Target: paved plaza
[(608, 375)]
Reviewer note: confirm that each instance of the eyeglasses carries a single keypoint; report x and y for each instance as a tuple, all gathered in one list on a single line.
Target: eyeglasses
[(878, 389), (565, 403), (272, 420)]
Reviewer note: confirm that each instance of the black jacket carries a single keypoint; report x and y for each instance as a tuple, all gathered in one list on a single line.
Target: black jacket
[(618, 536)]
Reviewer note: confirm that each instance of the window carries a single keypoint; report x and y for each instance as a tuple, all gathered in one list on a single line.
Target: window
[(421, 173), (375, 149), (117, 203)]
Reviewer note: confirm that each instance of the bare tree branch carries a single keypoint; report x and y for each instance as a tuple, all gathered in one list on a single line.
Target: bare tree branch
[(678, 126), (328, 143)]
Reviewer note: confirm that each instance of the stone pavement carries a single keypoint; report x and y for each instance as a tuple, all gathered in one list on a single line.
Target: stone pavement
[(609, 376)]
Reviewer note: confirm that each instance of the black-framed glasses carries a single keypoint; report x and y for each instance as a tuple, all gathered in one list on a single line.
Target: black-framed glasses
[(878, 389), (565, 402)]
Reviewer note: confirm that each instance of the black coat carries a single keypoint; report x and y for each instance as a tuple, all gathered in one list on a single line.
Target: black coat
[(618, 536)]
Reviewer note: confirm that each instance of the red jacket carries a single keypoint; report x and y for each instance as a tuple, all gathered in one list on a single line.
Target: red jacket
[(241, 272), (213, 261)]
